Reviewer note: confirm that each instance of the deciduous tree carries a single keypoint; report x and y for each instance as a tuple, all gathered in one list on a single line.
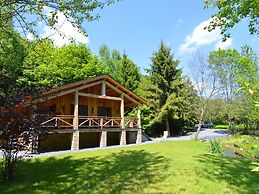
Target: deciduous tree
[(47, 65), (26, 14), (231, 12), (206, 84)]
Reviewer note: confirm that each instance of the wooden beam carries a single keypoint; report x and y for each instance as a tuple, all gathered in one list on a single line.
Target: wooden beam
[(139, 117), (98, 96), (68, 91), (124, 94), (122, 112), (75, 121), (103, 88)]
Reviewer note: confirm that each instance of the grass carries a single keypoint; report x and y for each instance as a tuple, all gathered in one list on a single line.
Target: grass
[(225, 127), (167, 167), (220, 127)]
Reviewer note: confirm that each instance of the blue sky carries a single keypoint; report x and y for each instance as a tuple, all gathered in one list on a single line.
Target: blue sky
[(138, 26)]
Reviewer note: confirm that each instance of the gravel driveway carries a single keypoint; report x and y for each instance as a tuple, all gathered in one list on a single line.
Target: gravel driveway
[(205, 134)]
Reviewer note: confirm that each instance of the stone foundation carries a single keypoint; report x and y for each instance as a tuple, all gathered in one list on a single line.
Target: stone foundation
[(75, 141)]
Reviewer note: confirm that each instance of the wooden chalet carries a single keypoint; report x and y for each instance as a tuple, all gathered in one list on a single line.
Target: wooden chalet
[(90, 106)]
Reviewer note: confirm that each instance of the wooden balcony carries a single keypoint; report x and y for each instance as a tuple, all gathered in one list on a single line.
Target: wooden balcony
[(88, 122)]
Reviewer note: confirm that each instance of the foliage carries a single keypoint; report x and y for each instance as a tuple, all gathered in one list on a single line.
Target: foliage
[(47, 65), (19, 126), (180, 108), (111, 59), (242, 146), (27, 14), (231, 12), (216, 111), (215, 146), (121, 68), (234, 69), (128, 73), (164, 72), (255, 169), (12, 54), (171, 98)]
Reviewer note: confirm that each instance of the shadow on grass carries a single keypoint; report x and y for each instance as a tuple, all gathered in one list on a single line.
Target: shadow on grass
[(127, 171), (235, 172)]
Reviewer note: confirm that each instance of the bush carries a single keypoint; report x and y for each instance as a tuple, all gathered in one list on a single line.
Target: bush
[(241, 146)]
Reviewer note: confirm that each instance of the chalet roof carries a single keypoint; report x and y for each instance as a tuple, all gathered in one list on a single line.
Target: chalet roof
[(107, 78)]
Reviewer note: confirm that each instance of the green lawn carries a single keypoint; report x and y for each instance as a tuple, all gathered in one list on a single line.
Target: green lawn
[(225, 127), (168, 167)]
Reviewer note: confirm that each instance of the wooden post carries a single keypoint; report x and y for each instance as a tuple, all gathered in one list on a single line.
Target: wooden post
[(139, 133), (75, 121), (101, 123), (103, 88), (75, 136), (139, 117), (122, 112)]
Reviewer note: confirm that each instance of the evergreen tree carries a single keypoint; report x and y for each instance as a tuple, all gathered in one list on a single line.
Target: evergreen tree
[(128, 73), (164, 71), (166, 78)]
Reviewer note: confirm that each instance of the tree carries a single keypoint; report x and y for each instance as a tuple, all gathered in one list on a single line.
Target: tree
[(19, 129), (12, 54), (47, 65), (216, 111), (231, 12), (205, 81), (111, 60), (27, 14), (128, 73), (164, 71), (180, 110), (233, 71), (148, 91), (166, 78)]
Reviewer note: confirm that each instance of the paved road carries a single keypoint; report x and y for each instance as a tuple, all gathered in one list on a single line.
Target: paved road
[(204, 134)]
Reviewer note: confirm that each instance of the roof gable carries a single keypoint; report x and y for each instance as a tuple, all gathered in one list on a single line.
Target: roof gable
[(116, 86)]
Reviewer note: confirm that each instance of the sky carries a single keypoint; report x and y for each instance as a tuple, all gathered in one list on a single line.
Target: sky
[(137, 27)]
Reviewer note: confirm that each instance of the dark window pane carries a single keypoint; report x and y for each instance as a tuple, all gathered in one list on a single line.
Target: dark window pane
[(104, 111), (82, 110)]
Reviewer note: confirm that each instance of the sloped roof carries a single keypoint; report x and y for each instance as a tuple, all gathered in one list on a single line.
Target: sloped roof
[(92, 80)]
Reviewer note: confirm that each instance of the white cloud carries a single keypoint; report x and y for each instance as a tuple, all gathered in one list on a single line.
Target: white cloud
[(200, 37), (66, 31), (30, 36), (224, 45)]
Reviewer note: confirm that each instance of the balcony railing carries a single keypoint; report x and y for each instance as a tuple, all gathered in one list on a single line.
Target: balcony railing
[(66, 121)]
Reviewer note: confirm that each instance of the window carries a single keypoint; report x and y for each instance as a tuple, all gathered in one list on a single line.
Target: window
[(52, 108), (82, 110), (104, 111)]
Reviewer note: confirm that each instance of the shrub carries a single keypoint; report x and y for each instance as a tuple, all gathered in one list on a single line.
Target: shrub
[(215, 146)]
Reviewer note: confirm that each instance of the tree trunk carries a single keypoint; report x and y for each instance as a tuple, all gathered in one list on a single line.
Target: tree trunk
[(200, 122), (168, 127)]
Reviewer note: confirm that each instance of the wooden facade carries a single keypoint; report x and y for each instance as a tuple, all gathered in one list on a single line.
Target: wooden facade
[(94, 105)]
